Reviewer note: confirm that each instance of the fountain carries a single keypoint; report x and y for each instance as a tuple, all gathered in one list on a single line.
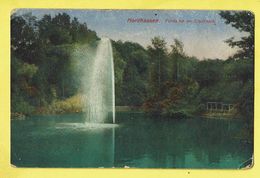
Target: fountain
[(98, 85)]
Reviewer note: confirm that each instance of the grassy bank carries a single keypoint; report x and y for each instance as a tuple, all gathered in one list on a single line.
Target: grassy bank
[(70, 105)]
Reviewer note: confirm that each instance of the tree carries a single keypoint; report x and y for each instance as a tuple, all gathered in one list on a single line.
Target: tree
[(159, 69), (239, 70), (244, 22), (176, 55), (242, 69), (131, 63), (24, 37), (208, 72), (42, 65), (119, 67)]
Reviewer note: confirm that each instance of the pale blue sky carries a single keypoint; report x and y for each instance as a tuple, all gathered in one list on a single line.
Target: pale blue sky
[(200, 40)]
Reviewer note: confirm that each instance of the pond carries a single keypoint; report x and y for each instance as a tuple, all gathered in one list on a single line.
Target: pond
[(136, 141)]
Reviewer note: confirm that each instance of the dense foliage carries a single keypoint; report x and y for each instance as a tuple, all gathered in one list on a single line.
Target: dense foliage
[(41, 64), (163, 81), (243, 21)]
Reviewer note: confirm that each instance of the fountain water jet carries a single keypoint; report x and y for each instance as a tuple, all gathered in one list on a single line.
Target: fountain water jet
[(99, 85)]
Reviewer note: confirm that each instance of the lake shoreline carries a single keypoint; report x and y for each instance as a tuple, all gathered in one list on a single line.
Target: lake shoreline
[(132, 109)]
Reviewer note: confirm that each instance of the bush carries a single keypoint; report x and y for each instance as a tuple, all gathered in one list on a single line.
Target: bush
[(19, 105)]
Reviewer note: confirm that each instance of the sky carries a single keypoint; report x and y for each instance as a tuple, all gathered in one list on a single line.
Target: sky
[(202, 40)]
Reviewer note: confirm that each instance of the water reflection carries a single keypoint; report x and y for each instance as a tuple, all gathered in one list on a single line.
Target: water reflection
[(138, 141), (53, 143), (195, 143)]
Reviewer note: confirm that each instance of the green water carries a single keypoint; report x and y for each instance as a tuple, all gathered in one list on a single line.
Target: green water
[(137, 141)]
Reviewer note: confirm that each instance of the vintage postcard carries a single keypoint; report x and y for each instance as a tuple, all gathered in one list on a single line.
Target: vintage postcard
[(132, 88)]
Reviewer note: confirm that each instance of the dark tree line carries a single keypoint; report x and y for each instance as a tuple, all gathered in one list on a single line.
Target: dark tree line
[(41, 66), (168, 82), (162, 81)]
